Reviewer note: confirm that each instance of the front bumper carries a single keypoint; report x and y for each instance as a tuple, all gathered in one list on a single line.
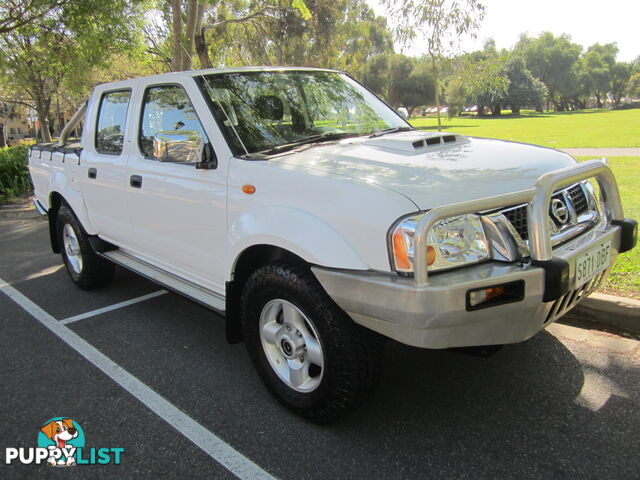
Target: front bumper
[(430, 310), (435, 315)]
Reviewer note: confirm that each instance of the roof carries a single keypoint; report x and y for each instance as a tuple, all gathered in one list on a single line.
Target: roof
[(167, 77), (256, 69)]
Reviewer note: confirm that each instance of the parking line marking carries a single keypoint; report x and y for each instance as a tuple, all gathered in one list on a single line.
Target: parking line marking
[(110, 308), (223, 453)]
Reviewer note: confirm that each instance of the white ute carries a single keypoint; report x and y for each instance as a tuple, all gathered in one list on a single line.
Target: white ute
[(318, 221)]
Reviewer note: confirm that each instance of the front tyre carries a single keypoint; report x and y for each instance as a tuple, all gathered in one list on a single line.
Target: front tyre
[(308, 352), (85, 267)]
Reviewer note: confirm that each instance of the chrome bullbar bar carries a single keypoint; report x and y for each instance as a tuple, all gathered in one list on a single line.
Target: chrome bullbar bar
[(537, 198)]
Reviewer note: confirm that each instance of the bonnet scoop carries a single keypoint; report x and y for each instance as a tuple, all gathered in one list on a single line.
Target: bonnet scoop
[(417, 142)]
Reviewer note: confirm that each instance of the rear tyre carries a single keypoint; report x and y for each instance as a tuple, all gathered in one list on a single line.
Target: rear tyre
[(85, 267), (311, 356)]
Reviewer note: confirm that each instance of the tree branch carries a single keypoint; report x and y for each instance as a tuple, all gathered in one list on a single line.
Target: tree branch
[(21, 15), (258, 13), (17, 102)]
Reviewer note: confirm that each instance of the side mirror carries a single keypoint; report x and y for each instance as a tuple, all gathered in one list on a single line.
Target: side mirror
[(179, 146)]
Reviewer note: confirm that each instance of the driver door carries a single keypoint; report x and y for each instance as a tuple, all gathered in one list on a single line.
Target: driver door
[(177, 212)]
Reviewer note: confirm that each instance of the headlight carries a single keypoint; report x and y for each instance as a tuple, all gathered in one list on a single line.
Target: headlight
[(452, 242)]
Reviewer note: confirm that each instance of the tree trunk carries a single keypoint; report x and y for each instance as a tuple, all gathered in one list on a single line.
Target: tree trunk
[(3, 141), (515, 109), (192, 20), (59, 123), (200, 43), (43, 107), (496, 110), (436, 81), (176, 14), (598, 100), (481, 110), (45, 132)]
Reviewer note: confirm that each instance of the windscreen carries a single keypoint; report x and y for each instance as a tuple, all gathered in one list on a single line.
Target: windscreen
[(263, 110)]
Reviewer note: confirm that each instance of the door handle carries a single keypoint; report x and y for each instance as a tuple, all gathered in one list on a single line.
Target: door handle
[(92, 173), (135, 181)]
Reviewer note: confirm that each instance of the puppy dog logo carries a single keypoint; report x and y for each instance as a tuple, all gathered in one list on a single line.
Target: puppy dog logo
[(62, 437), (61, 443)]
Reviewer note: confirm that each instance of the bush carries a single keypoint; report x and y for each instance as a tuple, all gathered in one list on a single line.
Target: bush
[(14, 174), (627, 106)]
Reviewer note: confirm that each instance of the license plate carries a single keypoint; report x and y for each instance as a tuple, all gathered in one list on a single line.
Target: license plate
[(596, 260)]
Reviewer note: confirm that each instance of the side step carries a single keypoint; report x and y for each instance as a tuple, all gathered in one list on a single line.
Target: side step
[(169, 280)]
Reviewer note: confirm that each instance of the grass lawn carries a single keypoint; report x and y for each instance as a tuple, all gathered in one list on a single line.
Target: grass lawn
[(625, 275), (587, 128)]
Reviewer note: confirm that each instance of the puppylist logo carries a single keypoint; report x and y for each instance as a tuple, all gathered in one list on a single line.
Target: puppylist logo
[(61, 443)]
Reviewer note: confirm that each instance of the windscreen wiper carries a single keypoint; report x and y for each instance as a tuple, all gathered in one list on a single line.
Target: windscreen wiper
[(391, 130), (322, 137)]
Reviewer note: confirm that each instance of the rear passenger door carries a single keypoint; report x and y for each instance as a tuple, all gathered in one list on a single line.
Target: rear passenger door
[(177, 212), (103, 166)]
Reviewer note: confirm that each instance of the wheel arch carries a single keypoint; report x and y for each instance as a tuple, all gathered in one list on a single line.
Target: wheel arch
[(250, 259), (56, 200), (77, 206)]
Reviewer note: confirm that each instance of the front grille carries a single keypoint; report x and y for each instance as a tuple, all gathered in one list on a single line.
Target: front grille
[(518, 218), (579, 199), (518, 215)]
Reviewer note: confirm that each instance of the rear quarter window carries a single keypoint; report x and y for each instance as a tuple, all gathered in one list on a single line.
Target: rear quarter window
[(112, 118)]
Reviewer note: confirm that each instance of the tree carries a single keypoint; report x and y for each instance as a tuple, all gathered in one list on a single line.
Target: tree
[(398, 83), (554, 60), (190, 39), (597, 76), (402, 81), (341, 34), (486, 84), (17, 13), (524, 89), (620, 73), (441, 22), (61, 48), (633, 86), (478, 78), (361, 36), (420, 87), (410, 83), (597, 64), (375, 74)]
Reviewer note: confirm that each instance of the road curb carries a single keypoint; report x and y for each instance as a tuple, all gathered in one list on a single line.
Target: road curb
[(18, 213), (617, 313)]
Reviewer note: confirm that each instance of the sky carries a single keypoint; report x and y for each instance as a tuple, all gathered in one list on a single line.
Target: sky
[(586, 21)]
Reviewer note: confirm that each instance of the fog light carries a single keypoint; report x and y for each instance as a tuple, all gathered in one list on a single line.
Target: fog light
[(495, 295), (480, 296)]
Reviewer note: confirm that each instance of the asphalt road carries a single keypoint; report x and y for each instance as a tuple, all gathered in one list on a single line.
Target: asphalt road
[(552, 407)]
